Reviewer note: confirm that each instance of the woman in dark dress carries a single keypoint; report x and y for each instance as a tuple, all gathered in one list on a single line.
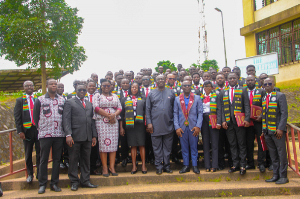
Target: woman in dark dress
[(133, 123)]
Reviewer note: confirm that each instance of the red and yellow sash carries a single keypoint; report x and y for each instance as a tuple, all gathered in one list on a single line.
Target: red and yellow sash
[(184, 110)]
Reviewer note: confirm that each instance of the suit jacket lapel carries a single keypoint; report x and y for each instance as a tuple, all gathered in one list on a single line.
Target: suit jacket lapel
[(79, 102)]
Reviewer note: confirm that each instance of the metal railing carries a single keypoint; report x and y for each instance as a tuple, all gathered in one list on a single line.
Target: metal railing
[(292, 128), (11, 165), (258, 4)]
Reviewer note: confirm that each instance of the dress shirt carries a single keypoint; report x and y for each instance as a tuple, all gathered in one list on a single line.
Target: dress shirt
[(82, 101), (28, 102), (186, 101), (206, 106), (249, 92), (230, 92)]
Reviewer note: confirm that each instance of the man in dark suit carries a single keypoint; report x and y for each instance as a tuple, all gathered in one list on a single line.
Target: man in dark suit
[(80, 134), (255, 97), (26, 128), (275, 114), (233, 100), (262, 78), (123, 139)]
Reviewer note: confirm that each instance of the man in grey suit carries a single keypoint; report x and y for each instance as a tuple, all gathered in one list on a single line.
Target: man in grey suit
[(81, 135), (274, 119), (159, 115)]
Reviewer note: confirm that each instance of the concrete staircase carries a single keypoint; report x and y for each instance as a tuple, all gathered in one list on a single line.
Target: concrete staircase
[(150, 185)]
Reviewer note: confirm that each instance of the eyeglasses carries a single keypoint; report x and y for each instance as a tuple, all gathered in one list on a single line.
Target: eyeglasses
[(268, 84), (106, 86), (146, 79), (187, 85), (27, 86), (171, 78), (81, 90)]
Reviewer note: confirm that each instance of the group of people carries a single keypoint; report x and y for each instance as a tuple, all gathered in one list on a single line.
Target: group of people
[(155, 116)]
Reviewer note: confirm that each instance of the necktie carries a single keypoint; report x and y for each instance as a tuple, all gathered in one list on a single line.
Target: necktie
[(231, 95), (197, 87), (251, 97), (91, 98), (226, 83), (82, 101), (126, 93), (31, 109), (267, 100), (147, 92)]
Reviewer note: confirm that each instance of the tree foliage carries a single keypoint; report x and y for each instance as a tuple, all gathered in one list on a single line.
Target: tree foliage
[(41, 33), (209, 63), (166, 65)]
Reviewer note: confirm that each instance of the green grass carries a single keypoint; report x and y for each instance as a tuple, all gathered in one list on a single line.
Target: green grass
[(216, 180)]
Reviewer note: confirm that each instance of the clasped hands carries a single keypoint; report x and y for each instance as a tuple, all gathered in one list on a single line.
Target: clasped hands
[(196, 130), (111, 117)]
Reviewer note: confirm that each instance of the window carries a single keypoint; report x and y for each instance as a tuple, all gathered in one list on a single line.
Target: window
[(283, 39), (258, 4)]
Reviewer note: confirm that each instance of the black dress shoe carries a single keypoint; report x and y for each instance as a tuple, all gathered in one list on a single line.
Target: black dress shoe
[(89, 185), (168, 170), (185, 169), (124, 162), (271, 167), (262, 168), (42, 189), (282, 181), (242, 170), (55, 188), (1, 192), (95, 172), (29, 179), (248, 167), (196, 170), (74, 187), (233, 169), (67, 164), (62, 166), (273, 179), (158, 171)]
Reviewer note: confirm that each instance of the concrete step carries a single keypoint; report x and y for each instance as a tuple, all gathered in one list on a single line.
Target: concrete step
[(151, 177), (171, 190)]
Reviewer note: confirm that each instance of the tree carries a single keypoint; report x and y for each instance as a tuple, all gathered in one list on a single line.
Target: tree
[(209, 63), (41, 33), (166, 64)]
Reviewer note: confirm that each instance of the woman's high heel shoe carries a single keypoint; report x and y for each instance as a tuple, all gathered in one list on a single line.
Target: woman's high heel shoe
[(134, 172), (113, 174)]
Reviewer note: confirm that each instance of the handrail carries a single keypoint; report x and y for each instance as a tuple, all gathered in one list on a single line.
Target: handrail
[(12, 172), (292, 129)]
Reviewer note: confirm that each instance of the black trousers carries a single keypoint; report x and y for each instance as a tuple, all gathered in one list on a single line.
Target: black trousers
[(80, 152), (175, 145), (94, 156), (28, 145), (162, 147), (223, 148), (46, 143), (148, 147), (65, 154), (210, 137), (237, 139), (250, 137), (277, 149)]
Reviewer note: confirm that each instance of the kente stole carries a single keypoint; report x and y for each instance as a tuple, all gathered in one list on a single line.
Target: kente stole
[(237, 100), (129, 112), (212, 104), (27, 121), (271, 113)]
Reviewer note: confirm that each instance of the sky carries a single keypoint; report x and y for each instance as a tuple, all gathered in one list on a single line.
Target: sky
[(134, 34)]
